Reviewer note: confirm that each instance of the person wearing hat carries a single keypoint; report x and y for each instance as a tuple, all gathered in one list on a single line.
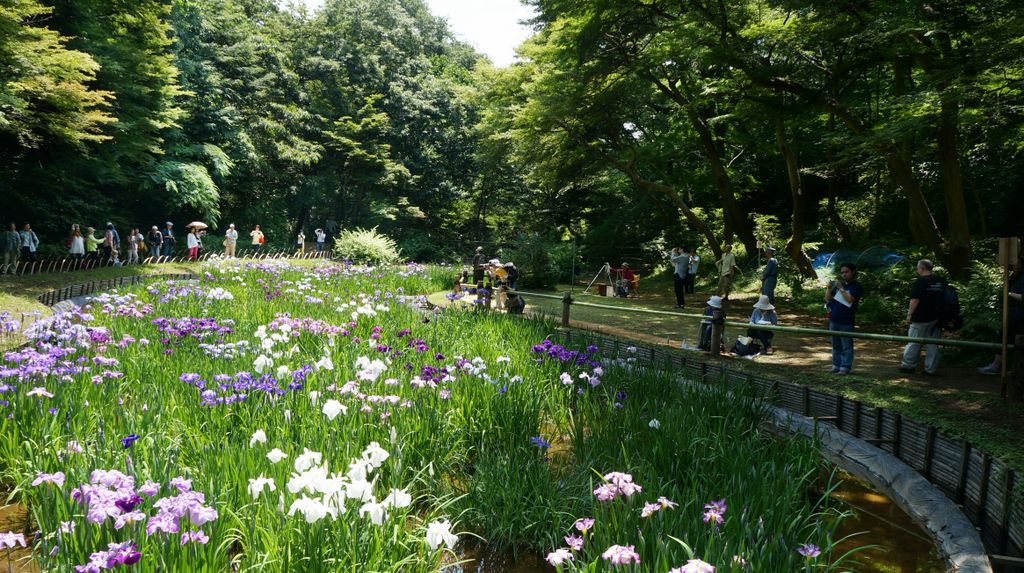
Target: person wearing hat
[(92, 243), (763, 314), (156, 242), (770, 275), (230, 241), (479, 266), (713, 305), (726, 266), (169, 239), (841, 298), (512, 275)]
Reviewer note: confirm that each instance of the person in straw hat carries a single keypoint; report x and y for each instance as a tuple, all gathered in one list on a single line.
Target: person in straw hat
[(763, 314)]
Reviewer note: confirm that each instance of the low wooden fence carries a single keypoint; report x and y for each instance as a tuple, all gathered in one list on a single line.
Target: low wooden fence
[(43, 266), (983, 486)]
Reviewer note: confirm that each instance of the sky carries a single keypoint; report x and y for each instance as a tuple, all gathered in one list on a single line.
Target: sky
[(491, 26)]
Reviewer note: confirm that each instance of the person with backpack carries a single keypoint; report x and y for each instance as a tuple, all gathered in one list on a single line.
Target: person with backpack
[(926, 301), (841, 298)]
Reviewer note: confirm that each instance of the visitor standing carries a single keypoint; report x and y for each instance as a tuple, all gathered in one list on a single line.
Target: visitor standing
[(156, 242), (478, 266), (321, 240), (680, 257), (923, 316), (29, 244), (691, 273), (230, 241), (770, 275), (169, 238), (257, 238), (726, 266), (192, 242), (76, 244), (842, 298), (301, 242), (763, 314), (12, 247)]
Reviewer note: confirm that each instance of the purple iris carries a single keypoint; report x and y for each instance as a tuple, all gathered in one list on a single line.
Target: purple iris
[(128, 440), (540, 442)]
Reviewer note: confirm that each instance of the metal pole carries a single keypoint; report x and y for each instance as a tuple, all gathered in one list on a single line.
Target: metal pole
[(1006, 321)]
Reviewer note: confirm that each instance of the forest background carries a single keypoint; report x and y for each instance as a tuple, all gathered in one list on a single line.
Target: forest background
[(628, 126)]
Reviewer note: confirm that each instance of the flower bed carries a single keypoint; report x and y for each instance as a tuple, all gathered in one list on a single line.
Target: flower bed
[(277, 418)]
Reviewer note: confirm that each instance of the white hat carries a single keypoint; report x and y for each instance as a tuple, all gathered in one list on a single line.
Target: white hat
[(169, 224), (232, 225), (764, 303), (715, 301)]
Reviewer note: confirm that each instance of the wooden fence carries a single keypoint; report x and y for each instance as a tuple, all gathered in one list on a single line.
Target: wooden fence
[(986, 489), (42, 266)]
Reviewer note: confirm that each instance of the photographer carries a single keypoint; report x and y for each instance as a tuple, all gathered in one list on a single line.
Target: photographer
[(841, 298)]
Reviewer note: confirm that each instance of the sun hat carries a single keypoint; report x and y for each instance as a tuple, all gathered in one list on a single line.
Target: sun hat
[(770, 249), (169, 224), (232, 225), (715, 301), (479, 249), (154, 228), (763, 303)]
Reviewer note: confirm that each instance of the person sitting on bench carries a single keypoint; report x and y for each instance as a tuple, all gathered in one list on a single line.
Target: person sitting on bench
[(626, 282)]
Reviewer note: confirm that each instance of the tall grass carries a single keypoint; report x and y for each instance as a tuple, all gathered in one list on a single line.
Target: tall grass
[(483, 429)]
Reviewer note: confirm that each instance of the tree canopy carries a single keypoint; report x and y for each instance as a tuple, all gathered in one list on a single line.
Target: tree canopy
[(625, 122)]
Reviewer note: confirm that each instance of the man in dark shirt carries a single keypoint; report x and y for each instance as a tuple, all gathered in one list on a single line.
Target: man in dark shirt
[(923, 316), (842, 298)]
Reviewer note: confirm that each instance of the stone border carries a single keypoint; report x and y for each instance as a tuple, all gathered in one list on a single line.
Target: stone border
[(959, 542)]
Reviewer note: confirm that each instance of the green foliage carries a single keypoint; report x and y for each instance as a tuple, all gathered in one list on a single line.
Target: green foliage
[(366, 246), (532, 256)]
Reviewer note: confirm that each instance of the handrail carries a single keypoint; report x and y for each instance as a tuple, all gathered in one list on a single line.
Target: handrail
[(791, 329)]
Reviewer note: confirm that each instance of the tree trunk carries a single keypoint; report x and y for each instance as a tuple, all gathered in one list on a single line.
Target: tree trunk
[(794, 246), (736, 221), (830, 184), (673, 195), (959, 233)]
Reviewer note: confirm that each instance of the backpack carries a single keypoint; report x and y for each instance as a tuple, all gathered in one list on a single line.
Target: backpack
[(949, 310)]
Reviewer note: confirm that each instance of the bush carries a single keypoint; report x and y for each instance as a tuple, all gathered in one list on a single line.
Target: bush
[(366, 246), (532, 256), (421, 247)]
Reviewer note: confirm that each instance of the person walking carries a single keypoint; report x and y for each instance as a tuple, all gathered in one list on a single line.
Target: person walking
[(230, 241), (29, 244), (257, 238), (12, 248), (168, 238), (76, 244), (321, 240), (726, 266), (691, 273), (923, 316), (192, 243), (680, 257), (135, 239), (92, 244), (156, 242), (770, 275), (842, 298), (110, 244)]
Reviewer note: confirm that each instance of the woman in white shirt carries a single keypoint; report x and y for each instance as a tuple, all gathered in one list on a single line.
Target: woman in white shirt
[(192, 242)]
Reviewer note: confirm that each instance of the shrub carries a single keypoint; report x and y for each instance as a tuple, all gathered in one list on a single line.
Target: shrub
[(366, 246), (532, 256)]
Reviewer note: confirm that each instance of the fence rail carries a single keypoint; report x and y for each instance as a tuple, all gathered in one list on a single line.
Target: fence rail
[(983, 486), (43, 266)]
